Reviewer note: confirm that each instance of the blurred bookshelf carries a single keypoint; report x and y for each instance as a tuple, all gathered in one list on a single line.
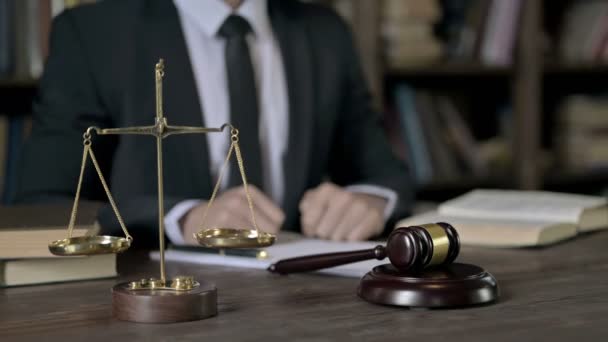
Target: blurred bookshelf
[(449, 70), (547, 65), (511, 103), (584, 69)]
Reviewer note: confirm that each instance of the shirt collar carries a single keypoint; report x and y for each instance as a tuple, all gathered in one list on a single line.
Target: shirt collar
[(209, 15)]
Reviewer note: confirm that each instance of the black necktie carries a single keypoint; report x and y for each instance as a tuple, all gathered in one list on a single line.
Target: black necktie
[(243, 99)]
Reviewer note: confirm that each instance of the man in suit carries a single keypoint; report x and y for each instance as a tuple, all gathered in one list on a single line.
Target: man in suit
[(284, 72)]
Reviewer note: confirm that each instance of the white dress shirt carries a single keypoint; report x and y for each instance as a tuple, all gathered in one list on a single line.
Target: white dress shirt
[(200, 21)]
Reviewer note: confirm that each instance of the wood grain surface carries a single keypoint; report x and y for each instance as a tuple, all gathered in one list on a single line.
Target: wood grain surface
[(558, 293)]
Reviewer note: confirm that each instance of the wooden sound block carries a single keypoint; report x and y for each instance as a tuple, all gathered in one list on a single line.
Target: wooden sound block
[(164, 306), (447, 286)]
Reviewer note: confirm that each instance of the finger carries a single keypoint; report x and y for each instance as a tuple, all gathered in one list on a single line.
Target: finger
[(310, 218), (335, 213), (306, 199), (262, 220), (314, 206), (370, 226), (225, 213), (306, 228), (239, 209), (272, 211), (356, 213), (234, 204), (318, 193)]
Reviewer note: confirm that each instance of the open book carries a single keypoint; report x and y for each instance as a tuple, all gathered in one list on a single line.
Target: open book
[(512, 218)]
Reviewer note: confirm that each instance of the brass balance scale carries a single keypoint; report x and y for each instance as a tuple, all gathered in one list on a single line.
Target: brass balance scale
[(161, 300)]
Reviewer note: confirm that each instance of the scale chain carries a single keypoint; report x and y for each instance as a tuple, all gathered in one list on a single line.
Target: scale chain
[(88, 150), (239, 159), (234, 147), (85, 152), (217, 184)]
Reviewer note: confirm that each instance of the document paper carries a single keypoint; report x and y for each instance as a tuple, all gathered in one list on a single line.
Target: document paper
[(281, 251)]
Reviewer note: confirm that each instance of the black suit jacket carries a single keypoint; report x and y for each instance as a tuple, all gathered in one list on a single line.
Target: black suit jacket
[(101, 72)]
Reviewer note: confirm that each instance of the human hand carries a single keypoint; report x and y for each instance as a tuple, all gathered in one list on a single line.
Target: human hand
[(231, 210), (330, 212)]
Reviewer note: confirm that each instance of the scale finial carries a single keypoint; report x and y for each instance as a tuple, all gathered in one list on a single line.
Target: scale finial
[(159, 73)]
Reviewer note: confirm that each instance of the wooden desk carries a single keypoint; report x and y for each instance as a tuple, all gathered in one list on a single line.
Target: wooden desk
[(551, 294)]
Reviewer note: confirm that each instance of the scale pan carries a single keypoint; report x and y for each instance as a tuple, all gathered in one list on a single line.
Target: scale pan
[(89, 245), (234, 238)]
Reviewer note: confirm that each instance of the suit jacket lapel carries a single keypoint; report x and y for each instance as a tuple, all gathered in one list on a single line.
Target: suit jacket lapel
[(297, 60), (163, 38)]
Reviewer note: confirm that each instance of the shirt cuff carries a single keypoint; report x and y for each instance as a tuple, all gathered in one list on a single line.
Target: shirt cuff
[(380, 191), (172, 227)]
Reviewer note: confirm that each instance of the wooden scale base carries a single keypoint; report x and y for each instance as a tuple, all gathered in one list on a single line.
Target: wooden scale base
[(163, 305), (454, 285)]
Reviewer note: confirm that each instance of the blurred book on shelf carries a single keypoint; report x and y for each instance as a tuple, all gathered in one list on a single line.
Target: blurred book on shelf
[(7, 36), (581, 133), (4, 126), (407, 31), (14, 134), (435, 139), (500, 33), (583, 37), (460, 27), (345, 8), (480, 30), (418, 155)]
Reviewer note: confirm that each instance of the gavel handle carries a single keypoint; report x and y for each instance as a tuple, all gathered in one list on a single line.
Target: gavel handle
[(320, 261)]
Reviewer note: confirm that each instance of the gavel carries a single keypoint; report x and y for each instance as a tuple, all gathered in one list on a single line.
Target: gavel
[(409, 249)]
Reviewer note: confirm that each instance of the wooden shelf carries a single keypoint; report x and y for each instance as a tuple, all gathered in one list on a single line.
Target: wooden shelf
[(450, 69), (556, 69), (473, 69), (18, 83)]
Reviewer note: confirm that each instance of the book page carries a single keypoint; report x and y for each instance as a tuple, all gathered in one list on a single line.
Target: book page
[(521, 205), (497, 232)]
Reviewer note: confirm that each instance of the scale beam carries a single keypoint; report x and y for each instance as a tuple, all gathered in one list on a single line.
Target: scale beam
[(161, 129)]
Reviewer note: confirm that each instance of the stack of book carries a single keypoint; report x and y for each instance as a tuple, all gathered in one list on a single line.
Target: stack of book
[(407, 30), (25, 232), (581, 134)]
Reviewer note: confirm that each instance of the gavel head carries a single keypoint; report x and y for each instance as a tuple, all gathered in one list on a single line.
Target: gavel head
[(416, 247)]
